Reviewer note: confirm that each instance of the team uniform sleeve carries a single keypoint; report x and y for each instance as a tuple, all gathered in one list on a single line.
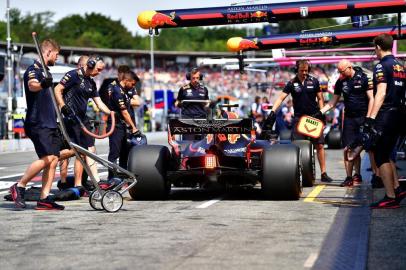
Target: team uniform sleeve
[(380, 74), (35, 74), (69, 79), (207, 93), (338, 88), (316, 86), (118, 99), (180, 95), (95, 93), (370, 83), (288, 88), (366, 83)]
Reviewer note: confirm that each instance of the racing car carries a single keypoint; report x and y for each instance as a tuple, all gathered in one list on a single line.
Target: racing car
[(228, 152)]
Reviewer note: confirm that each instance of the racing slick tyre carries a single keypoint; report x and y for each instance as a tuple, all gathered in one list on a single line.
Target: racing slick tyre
[(280, 172), (333, 139), (285, 135), (307, 162), (149, 163)]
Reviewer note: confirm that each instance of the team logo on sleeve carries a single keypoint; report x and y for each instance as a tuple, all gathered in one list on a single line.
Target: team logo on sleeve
[(31, 74)]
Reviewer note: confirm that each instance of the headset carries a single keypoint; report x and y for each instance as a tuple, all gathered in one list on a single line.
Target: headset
[(193, 70), (91, 62), (301, 62)]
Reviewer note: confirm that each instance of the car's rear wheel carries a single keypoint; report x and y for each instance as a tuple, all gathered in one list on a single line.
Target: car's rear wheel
[(307, 162), (149, 163), (280, 172)]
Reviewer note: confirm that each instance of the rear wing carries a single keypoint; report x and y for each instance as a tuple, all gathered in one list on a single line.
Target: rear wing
[(216, 126)]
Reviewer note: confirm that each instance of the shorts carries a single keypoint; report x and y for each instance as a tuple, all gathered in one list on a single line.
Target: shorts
[(298, 136), (387, 123), (77, 136), (351, 129), (64, 144), (47, 141)]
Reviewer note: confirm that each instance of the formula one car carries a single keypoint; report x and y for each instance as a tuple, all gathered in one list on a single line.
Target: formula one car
[(227, 153)]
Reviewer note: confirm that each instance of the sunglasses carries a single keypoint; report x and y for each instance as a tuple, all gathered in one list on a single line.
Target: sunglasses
[(342, 71)]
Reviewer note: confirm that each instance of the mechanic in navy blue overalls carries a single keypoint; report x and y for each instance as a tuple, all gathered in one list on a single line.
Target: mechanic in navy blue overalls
[(120, 102), (307, 99), (356, 89), (389, 88), (72, 95), (194, 90)]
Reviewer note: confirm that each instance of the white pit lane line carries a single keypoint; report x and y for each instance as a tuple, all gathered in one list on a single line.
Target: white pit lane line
[(311, 260), (208, 203)]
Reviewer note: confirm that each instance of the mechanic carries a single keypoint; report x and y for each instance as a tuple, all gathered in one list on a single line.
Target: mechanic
[(120, 102), (41, 127), (358, 95), (256, 108), (307, 99), (63, 164), (384, 121), (194, 90), (72, 95)]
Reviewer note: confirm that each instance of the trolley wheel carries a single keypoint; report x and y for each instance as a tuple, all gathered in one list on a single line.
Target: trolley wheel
[(112, 201), (95, 200)]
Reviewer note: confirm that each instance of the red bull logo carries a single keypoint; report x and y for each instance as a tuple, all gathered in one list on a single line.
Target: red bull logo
[(247, 44), (314, 41), (326, 39), (398, 68), (160, 19), (238, 16), (399, 72), (259, 14), (247, 17)]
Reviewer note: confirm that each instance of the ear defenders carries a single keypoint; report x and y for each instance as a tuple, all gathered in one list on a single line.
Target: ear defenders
[(193, 70), (301, 62), (91, 62)]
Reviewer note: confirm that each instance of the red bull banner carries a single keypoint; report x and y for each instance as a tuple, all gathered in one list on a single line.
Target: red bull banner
[(265, 13), (312, 39)]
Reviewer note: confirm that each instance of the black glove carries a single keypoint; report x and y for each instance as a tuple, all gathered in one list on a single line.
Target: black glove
[(137, 138), (137, 134), (368, 125), (270, 121), (67, 111), (46, 82), (369, 134), (318, 115)]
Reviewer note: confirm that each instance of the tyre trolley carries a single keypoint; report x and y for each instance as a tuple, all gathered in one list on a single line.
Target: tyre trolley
[(110, 200)]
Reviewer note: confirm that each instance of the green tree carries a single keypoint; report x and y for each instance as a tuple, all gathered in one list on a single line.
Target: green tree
[(69, 29), (297, 26), (23, 26)]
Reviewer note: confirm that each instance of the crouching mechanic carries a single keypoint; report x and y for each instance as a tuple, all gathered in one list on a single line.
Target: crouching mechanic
[(307, 99), (72, 95), (120, 102), (356, 88), (384, 121)]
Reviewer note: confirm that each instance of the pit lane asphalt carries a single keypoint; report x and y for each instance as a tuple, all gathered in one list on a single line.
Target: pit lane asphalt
[(328, 228)]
